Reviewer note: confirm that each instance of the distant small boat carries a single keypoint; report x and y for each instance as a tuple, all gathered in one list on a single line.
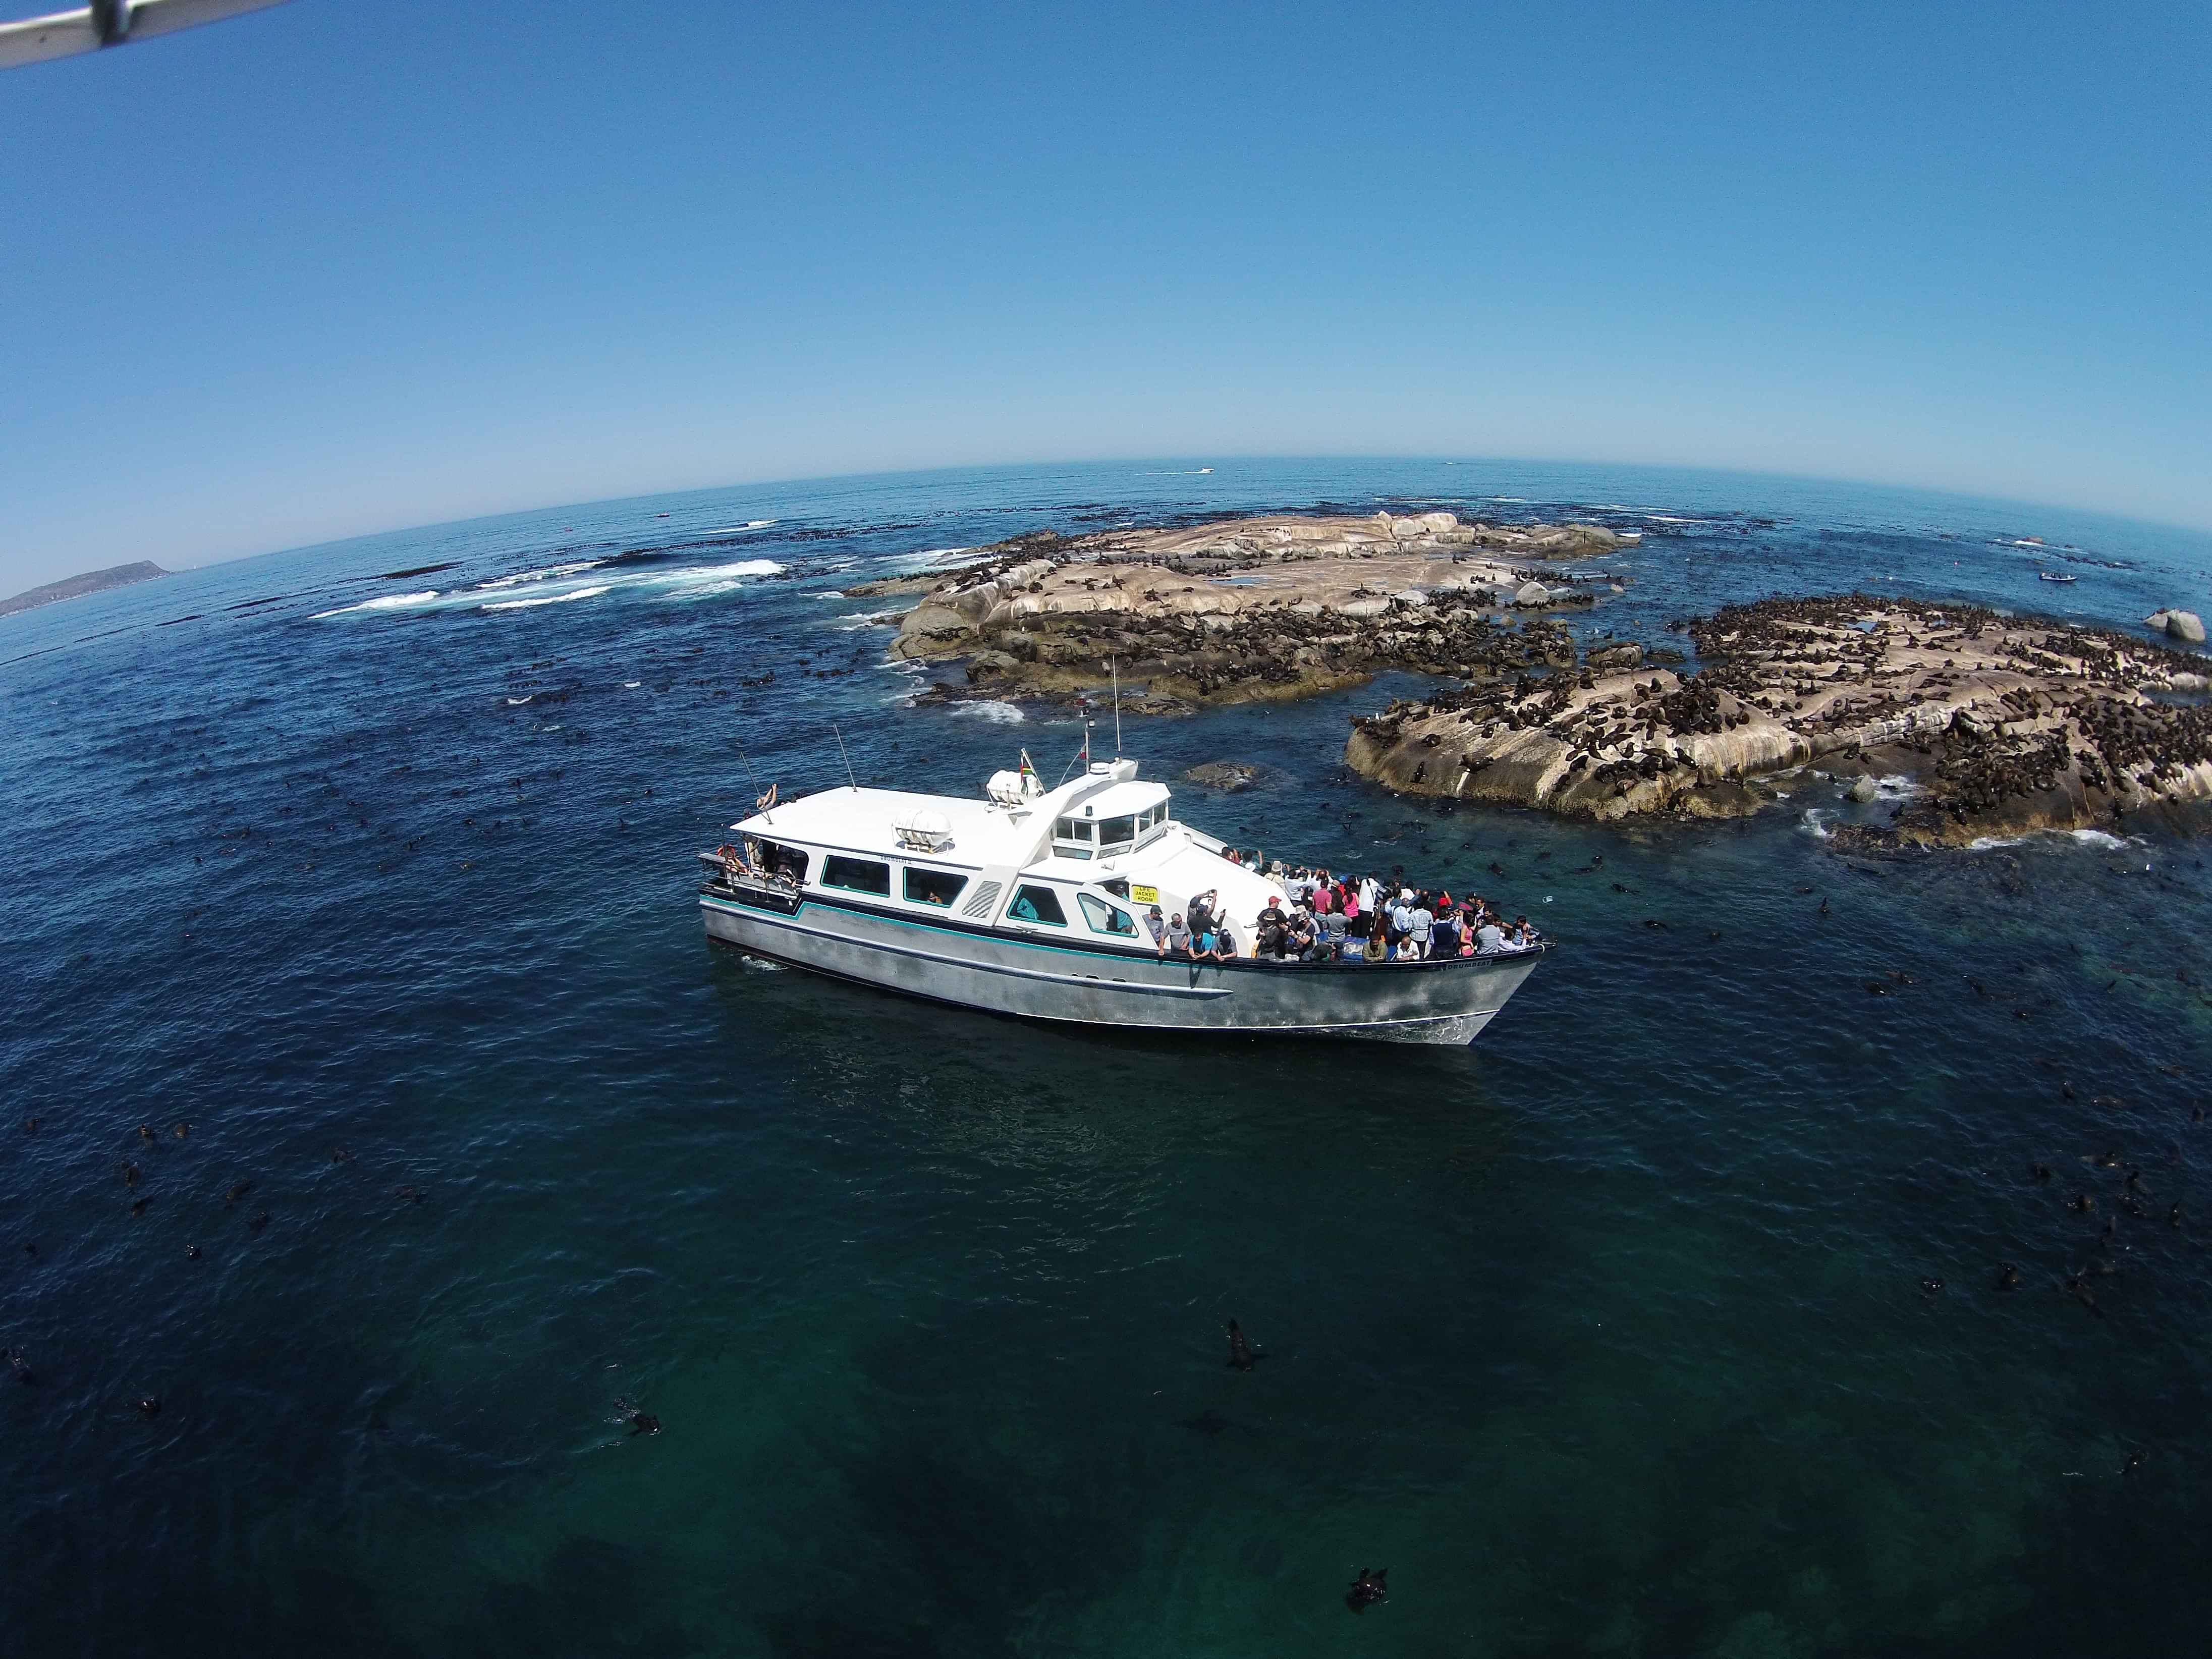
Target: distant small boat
[(2054, 576), (1205, 469)]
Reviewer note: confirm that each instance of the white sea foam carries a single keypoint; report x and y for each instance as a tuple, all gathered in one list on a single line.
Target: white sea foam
[(999, 713), (868, 619), (632, 685), (688, 575), (551, 599), (1815, 819), (548, 573), (389, 602), (1990, 843), (517, 702), (2098, 838), (741, 529)]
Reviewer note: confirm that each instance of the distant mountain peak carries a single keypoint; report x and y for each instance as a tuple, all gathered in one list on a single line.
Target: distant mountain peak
[(74, 587)]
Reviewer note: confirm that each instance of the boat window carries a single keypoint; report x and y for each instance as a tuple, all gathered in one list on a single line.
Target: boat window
[(857, 875), (1071, 829), (1118, 831), (1106, 918), (932, 886), (1037, 904), (788, 862)]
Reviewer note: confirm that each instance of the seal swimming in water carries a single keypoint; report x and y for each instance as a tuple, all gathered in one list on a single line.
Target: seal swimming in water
[(2080, 1203), (1931, 1287), (139, 1206), (149, 1406), (643, 1423), (1368, 1588), (21, 1367), (2008, 1276), (258, 1222), (238, 1192), (2078, 1288), (1241, 1357), (192, 1252)]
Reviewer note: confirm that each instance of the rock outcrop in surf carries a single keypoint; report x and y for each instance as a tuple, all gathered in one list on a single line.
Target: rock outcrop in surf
[(2008, 724), (1248, 609)]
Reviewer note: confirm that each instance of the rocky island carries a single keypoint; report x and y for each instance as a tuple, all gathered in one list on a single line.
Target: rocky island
[(2003, 724), (1248, 609), (74, 587), (2006, 723)]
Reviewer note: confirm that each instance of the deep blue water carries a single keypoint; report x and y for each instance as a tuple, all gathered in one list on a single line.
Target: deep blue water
[(1606, 1336)]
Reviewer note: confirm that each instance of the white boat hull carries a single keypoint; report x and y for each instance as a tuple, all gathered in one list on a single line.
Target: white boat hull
[(1444, 1002)]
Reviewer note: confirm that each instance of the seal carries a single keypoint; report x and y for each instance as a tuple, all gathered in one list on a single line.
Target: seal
[(1368, 1588), (1241, 1355)]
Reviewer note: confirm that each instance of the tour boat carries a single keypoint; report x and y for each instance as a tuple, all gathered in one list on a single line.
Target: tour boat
[(2054, 576), (1034, 902)]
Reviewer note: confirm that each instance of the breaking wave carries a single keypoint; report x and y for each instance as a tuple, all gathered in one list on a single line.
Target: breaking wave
[(389, 602), (551, 598)]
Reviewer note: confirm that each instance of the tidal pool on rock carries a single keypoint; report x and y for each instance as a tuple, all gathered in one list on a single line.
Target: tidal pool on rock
[(1607, 1335)]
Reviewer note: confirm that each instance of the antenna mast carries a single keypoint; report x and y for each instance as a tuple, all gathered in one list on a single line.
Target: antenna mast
[(1115, 669), (764, 802), (849, 778)]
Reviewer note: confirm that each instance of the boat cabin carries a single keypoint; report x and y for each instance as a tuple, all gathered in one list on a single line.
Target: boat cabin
[(1085, 861)]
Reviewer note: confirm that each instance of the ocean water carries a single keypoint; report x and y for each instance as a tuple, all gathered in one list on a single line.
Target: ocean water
[(1606, 1336)]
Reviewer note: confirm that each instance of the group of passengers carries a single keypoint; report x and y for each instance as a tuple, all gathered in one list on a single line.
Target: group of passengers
[(1327, 919)]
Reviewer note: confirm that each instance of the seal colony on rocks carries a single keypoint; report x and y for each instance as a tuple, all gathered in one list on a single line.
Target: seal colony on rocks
[(1246, 610), (2010, 724), (2006, 724)]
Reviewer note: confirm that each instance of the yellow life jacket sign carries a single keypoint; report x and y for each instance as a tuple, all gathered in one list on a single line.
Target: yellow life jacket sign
[(1144, 895)]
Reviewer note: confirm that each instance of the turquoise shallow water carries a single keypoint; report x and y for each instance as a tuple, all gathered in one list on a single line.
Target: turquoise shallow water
[(1606, 1336)]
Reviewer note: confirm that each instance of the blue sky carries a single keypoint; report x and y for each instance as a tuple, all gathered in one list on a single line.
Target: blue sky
[(357, 264)]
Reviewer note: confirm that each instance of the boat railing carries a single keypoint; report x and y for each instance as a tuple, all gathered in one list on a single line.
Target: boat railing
[(729, 872)]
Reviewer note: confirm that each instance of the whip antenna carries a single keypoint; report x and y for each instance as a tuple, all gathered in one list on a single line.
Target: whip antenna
[(849, 778), (1115, 669), (765, 802)]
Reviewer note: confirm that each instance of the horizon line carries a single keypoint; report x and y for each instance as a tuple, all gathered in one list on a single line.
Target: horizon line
[(417, 527)]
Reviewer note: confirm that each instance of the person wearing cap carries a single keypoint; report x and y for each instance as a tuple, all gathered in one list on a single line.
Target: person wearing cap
[(1155, 925), (1224, 942)]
